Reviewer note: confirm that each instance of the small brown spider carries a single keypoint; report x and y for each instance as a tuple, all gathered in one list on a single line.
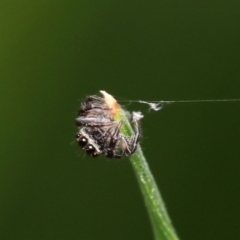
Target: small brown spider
[(99, 132)]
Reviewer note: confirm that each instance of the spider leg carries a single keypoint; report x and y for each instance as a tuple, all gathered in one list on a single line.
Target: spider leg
[(129, 146), (115, 135), (125, 146), (92, 122), (112, 138), (94, 98), (95, 110), (135, 138)]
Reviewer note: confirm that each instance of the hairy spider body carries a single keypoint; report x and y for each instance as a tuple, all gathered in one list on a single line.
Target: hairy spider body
[(99, 132), (94, 111)]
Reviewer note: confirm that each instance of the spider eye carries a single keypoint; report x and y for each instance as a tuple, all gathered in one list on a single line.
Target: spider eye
[(77, 136), (82, 141), (90, 149)]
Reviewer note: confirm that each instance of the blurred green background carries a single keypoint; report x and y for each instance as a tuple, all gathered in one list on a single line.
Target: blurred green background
[(55, 53)]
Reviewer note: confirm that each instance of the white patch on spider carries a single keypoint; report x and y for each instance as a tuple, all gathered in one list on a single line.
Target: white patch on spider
[(137, 116)]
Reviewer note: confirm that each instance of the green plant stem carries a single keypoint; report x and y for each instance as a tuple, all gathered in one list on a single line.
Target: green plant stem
[(161, 224)]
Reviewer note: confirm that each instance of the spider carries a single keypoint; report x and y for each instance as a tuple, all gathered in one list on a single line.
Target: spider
[(99, 132)]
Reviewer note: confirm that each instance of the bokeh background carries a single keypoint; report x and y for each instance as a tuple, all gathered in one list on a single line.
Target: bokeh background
[(55, 53)]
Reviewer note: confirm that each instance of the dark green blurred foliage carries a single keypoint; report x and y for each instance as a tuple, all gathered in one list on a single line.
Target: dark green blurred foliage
[(54, 53)]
